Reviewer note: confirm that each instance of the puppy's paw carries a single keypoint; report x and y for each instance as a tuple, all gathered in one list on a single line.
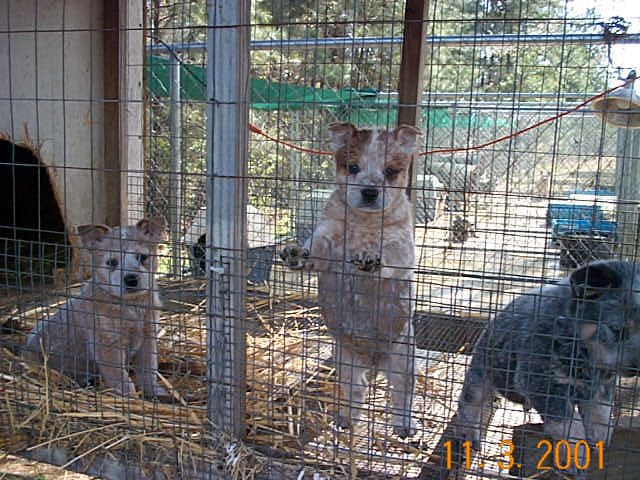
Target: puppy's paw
[(295, 257), (404, 427), (367, 262)]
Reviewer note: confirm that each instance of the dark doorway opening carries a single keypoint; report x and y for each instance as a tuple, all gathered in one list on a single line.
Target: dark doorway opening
[(33, 239)]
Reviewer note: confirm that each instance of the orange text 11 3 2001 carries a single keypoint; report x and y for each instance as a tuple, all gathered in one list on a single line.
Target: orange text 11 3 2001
[(557, 454)]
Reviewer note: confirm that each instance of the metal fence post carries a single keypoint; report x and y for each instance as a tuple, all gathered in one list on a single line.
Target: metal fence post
[(175, 187)]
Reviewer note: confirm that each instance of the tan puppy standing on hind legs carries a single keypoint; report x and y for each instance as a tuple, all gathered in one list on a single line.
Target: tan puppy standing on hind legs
[(112, 322), (363, 251)]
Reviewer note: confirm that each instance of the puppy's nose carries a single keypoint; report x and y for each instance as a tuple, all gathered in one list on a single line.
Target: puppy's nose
[(369, 194), (131, 280)]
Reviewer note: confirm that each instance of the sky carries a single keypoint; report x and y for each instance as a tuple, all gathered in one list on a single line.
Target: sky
[(626, 55)]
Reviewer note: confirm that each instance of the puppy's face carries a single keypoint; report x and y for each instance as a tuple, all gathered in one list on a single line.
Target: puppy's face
[(372, 164), (124, 258), (607, 306)]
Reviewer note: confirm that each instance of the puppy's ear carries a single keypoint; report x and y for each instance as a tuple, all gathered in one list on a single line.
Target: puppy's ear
[(92, 234), (406, 136), (152, 227), (341, 133), (594, 280)]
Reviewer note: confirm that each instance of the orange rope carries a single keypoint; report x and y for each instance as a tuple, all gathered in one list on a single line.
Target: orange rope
[(526, 129), (292, 146)]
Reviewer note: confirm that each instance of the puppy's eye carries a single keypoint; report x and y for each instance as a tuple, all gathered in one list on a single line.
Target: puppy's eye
[(354, 169), (112, 262), (390, 172), (142, 257)]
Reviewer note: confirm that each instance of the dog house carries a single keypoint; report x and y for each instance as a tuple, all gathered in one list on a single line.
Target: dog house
[(70, 71)]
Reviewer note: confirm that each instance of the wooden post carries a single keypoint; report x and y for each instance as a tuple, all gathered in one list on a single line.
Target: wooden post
[(412, 71), (111, 66), (131, 111), (628, 191), (123, 57), (227, 134)]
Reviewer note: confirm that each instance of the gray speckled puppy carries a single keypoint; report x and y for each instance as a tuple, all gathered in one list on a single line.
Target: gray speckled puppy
[(111, 324), (559, 349)]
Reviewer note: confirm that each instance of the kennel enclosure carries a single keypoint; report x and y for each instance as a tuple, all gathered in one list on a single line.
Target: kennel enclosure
[(214, 115)]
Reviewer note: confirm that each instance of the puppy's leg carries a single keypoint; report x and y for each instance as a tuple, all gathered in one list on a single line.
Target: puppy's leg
[(475, 406), (400, 370), (571, 430), (34, 346), (351, 379), (111, 360), (561, 422), (146, 361), (596, 415)]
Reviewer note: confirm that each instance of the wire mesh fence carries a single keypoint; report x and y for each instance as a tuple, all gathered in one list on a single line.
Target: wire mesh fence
[(211, 267)]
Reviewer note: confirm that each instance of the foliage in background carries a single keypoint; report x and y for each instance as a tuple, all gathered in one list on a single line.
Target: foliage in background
[(465, 70), (515, 67)]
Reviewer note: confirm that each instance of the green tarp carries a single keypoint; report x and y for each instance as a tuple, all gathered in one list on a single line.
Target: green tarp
[(362, 107), (265, 94)]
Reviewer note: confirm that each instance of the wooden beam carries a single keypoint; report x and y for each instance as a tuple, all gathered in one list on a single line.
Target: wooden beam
[(412, 70), (628, 192), (227, 152), (111, 78), (123, 57), (131, 54), (412, 65)]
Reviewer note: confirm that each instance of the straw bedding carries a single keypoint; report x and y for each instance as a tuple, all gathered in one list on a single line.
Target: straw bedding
[(290, 400)]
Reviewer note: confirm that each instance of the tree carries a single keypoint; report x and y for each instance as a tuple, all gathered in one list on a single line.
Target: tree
[(463, 69)]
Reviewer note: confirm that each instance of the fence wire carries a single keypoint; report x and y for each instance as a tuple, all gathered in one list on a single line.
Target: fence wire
[(322, 326)]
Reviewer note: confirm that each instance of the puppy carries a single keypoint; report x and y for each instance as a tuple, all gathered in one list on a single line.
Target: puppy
[(363, 251), (559, 349), (113, 320)]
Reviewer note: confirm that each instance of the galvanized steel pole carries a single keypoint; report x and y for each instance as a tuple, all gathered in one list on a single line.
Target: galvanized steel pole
[(175, 174)]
